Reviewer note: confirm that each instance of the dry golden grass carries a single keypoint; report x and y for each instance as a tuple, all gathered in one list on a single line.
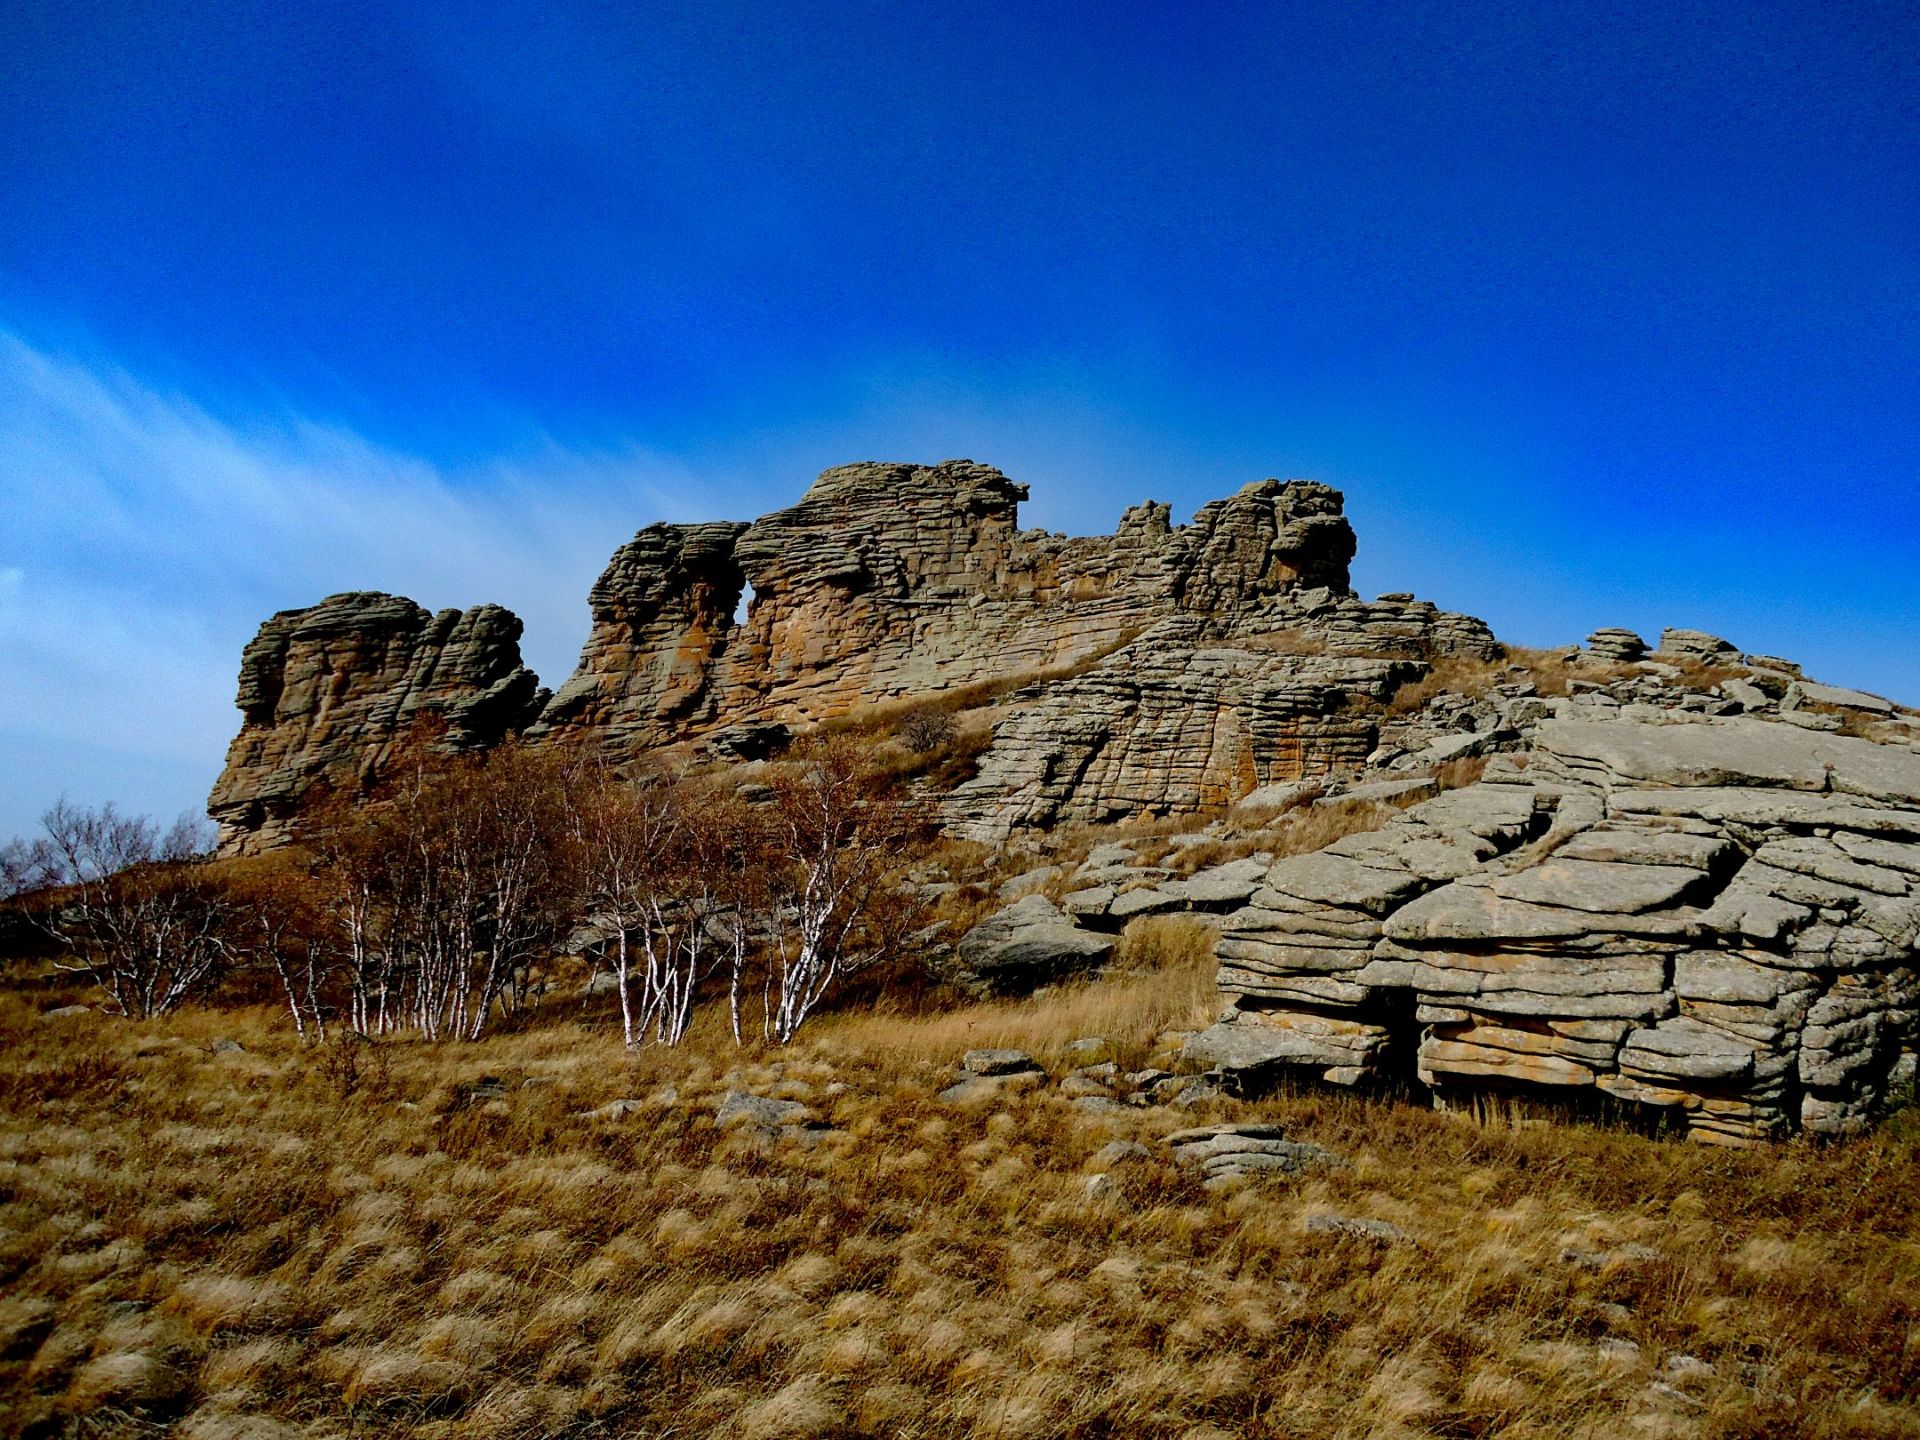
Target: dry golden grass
[(1293, 832), (249, 1244), (1161, 979), (1550, 671)]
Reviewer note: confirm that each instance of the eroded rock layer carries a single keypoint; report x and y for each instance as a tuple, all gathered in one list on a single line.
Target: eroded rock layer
[(895, 581), (328, 691), (885, 582), (1200, 711), (1714, 917)]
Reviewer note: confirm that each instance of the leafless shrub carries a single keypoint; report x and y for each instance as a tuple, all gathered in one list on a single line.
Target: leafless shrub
[(444, 894), (927, 728), (128, 904), (672, 873), (838, 906)]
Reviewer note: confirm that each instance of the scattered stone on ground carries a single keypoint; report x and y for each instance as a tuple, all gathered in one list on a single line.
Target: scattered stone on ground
[(998, 1062), (1226, 1153), (761, 1114)]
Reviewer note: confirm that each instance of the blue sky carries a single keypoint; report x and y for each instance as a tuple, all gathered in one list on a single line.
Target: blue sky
[(1601, 314)]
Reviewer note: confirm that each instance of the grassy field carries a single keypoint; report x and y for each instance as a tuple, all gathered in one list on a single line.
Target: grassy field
[(405, 1239)]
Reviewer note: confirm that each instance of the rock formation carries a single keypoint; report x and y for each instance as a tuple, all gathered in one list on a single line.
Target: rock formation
[(328, 691), (891, 583), (895, 581), (1200, 711), (1688, 881), (1713, 917)]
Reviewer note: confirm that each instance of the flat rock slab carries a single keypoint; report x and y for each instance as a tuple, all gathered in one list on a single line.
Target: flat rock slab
[(998, 1062), (1475, 914), (1642, 846), (1250, 1045), (1161, 900), (1845, 699), (738, 1108), (1598, 886), (1686, 1049), (1222, 887), (1329, 879), (1736, 752), (1093, 900)]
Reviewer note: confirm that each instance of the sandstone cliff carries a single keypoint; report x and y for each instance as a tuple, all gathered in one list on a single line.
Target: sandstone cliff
[(890, 581), (326, 692)]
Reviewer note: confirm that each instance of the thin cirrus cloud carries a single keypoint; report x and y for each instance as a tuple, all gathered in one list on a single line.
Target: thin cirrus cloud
[(143, 538)]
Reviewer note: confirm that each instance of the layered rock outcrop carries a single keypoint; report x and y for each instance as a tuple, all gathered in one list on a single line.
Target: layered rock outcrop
[(892, 583), (1200, 711), (895, 581), (1716, 918), (328, 691)]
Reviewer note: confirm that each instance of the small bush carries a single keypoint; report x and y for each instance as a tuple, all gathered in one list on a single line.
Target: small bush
[(925, 729)]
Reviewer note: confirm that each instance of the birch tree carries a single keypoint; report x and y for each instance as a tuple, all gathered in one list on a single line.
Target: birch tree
[(839, 836), (130, 906)]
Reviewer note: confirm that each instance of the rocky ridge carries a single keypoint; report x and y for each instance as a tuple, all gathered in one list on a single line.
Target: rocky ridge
[(888, 583), (1687, 882)]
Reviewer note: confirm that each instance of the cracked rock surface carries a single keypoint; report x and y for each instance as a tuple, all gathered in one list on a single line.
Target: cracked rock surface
[(1713, 917), (327, 692)]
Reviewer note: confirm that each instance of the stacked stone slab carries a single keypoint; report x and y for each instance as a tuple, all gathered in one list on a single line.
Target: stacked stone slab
[(1698, 645), (1713, 918), (327, 692), (1201, 711), (1621, 647)]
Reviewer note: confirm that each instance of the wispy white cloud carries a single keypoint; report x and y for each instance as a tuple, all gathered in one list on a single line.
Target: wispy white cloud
[(143, 538)]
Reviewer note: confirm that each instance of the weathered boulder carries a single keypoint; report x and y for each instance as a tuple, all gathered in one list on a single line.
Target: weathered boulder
[(1617, 645), (1228, 1153), (1697, 645), (1028, 943)]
